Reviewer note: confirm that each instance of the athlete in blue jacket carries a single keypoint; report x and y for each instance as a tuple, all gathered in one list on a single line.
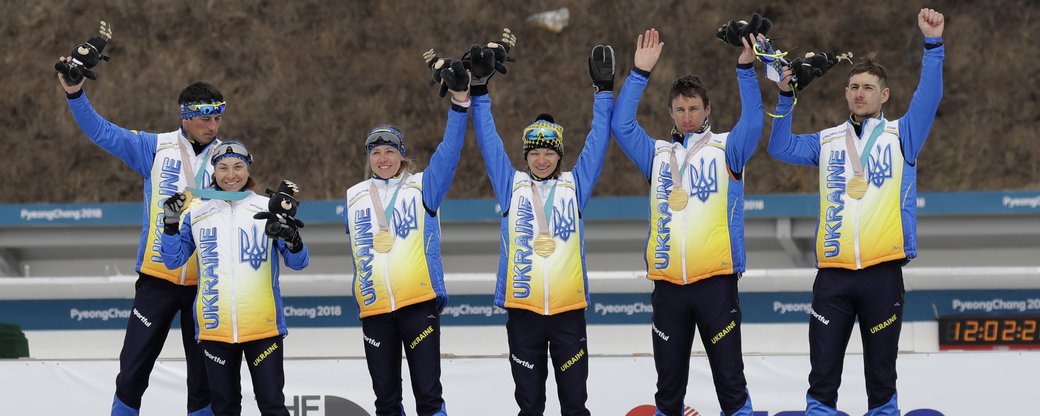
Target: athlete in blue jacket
[(695, 249), (169, 162), (542, 278), (395, 237), (867, 227)]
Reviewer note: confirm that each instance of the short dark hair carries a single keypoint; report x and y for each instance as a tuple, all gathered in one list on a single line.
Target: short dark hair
[(200, 92), (688, 86), (870, 67)]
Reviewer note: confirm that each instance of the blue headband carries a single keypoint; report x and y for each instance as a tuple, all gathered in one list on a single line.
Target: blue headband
[(232, 148), (198, 109)]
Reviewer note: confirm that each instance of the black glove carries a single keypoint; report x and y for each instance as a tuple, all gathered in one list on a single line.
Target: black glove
[(285, 228), (455, 76), (482, 64), (601, 68), (486, 60), (438, 66), (85, 56), (812, 66), (172, 208), (733, 31)]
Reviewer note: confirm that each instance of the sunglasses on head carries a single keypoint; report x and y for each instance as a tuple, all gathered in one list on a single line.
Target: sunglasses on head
[(542, 134), (232, 148), (202, 109), (383, 136)]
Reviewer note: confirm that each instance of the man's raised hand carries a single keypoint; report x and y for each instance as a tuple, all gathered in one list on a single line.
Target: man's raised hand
[(648, 50), (931, 23)]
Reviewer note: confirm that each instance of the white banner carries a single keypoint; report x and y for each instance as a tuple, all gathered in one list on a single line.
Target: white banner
[(943, 384)]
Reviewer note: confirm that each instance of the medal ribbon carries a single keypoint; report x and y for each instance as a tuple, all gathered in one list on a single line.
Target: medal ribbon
[(193, 181), (541, 210), (696, 147), (383, 213), (859, 160)]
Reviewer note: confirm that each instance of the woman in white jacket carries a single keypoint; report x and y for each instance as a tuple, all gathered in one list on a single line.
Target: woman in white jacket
[(238, 309)]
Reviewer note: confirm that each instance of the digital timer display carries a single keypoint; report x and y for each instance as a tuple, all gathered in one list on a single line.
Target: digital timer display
[(1016, 332)]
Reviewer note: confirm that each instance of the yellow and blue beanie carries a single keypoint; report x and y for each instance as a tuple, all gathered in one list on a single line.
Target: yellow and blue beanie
[(543, 133)]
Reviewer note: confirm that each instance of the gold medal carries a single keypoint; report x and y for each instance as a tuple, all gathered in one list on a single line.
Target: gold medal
[(383, 241), (856, 188), (188, 197), (544, 245), (677, 199)]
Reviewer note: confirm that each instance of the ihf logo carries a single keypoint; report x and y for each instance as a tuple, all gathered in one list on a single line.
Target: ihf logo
[(308, 405)]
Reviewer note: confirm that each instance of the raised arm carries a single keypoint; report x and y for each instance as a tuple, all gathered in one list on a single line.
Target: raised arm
[(438, 175), (744, 137), (590, 162), (136, 149), (500, 168), (917, 122), (800, 149), (634, 142)]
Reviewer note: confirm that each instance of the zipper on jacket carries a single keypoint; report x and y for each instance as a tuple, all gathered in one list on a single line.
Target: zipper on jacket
[(234, 295), (545, 284)]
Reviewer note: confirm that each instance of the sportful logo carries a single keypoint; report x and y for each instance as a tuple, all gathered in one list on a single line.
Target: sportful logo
[(253, 247), (705, 181), (405, 220), (563, 221), (879, 166)]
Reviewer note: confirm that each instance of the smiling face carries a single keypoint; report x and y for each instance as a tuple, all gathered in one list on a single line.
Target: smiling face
[(689, 113), (543, 162), (202, 129), (865, 94), (231, 174), (385, 161)]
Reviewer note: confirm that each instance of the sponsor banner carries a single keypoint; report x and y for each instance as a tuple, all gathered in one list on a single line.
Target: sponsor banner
[(599, 209), (942, 384), (65, 214), (479, 310)]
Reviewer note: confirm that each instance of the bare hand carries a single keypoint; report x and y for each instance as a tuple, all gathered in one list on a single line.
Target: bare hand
[(931, 23), (61, 80), (648, 50), (748, 55), (785, 82)]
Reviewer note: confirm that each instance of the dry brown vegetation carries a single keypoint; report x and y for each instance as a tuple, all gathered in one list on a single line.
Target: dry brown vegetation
[(306, 79)]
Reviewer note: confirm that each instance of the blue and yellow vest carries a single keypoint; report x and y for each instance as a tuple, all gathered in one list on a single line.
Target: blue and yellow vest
[(526, 280), (855, 234), (411, 271), (706, 238), (167, 178)]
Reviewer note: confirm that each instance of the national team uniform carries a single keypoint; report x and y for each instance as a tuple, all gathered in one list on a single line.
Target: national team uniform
[(238, 309), (862, 244), (545, 297), (695, 254), (400, 293), (160, 293)]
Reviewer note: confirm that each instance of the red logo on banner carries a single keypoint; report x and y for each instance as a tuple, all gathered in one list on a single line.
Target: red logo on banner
[(648, 410)]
